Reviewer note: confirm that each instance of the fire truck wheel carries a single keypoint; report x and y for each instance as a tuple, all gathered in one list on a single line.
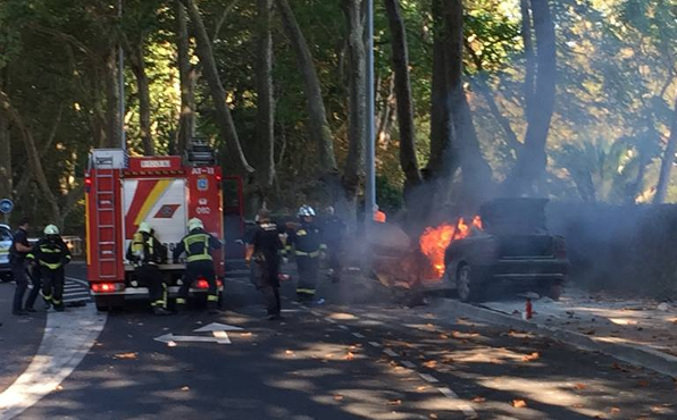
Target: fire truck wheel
[(466, 286)]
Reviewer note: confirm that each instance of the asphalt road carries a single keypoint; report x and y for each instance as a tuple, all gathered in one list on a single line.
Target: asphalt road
[(355, 356)]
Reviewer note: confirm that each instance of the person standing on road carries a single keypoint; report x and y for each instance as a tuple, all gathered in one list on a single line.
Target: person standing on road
[(333, 230), (308, 249), (264, 249), (146, 252), (51, 255), (17, 255), (199, 263)]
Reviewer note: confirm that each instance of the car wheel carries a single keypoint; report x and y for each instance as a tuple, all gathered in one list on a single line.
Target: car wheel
[(464, 284), (554, 291)]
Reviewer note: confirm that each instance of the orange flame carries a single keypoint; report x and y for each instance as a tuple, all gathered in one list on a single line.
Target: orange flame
[(435, 240)]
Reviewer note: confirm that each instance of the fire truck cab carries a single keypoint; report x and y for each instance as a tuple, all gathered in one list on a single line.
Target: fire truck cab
[(121, 192)]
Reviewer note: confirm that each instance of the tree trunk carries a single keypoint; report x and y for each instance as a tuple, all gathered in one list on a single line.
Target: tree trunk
[(319, 127), (34, 161), (530, 70), (5, 145), (143, 87), (668, 161), (475, 170), (265, 129), (531, 163), (443, 154), (357, 106), (113, 117), (187, 78), (405, 112), (235, 155)]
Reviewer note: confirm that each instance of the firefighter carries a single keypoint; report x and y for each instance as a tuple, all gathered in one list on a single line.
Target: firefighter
[(17, 256), (51, 255), (264, 249), (333, 230), (308, 249), (197, 246), (146, 252)]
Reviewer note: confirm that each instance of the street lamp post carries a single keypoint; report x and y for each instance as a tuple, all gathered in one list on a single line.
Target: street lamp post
[(370, 188)]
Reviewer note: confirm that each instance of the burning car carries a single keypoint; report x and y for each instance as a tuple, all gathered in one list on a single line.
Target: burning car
[(507, 244)]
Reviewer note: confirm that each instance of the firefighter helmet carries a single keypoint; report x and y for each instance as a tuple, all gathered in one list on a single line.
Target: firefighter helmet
[(306, 211), (144, 228), (195, 223), (51, 230)]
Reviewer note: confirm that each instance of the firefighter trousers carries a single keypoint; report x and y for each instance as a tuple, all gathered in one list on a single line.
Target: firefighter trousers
[(37, 285), (194, 271), (308, 268), (52, 286), (151, 276)]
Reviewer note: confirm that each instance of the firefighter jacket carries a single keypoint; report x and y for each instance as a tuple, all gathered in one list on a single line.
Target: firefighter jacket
[(145, 249), (50, 252), (306, 240), (197, 245)]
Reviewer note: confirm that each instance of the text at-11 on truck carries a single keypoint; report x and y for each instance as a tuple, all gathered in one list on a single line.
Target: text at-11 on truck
[(165, 192)]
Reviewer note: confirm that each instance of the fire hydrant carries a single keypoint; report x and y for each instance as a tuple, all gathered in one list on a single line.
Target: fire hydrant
[(529, 310)]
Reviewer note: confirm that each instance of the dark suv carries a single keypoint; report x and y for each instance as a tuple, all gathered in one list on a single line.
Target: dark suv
[(513, 250)]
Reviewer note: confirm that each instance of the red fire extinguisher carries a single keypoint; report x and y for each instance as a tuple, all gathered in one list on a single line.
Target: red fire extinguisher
[(529, 309)]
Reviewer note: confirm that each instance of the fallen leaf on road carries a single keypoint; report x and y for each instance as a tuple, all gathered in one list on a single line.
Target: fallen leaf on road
[(421, 388), (531, 357), (246, 334), (430, 364), (643, 383), (519, 403), (580, 386), (349, 356), (288, 352), (185, 388), (577, 405), (395, 402), (126, 356), (614, 410), (338, 397), (617, 366), (478, 399), (433, 416), (59, 388), (444, 336)]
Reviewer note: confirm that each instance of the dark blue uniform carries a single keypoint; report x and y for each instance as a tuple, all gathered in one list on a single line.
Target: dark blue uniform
[(199, 263), (308, 246), (266, 264), (51, 256)]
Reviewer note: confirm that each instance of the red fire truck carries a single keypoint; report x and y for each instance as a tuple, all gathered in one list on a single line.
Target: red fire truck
[(122, 192)]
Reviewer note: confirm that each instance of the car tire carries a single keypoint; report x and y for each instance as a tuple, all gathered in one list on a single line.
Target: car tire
[(466, 284), (554, 292)]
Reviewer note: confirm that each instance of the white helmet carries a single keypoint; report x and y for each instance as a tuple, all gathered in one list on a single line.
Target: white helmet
[(306, 211), (51, 230), (144, 228), (195, 223)]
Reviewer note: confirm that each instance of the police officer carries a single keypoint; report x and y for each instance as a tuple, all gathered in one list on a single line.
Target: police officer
[(146, 252), (333, 231), (264, 250), (197, 246), (17, 255), (308, 248), (51, 255)]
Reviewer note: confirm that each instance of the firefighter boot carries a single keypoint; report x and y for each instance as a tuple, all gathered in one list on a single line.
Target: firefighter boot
[(213, 305), (180, 304), (158, 310)]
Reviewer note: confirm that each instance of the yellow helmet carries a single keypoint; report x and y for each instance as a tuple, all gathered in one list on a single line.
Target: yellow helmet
[(195, 223), (144, 228)]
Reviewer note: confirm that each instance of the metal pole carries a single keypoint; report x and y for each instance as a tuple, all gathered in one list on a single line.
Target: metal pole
[(121, 86), (370, 188)]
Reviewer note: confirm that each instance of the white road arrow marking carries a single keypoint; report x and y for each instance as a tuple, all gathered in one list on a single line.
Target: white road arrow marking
[(167, 338), (215, 326)]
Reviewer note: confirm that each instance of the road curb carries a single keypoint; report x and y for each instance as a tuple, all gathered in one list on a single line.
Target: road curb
[(637, 355)]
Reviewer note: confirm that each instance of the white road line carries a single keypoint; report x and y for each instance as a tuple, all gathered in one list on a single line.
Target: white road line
[(317, 314), (343, 327), (408, 364), (428, 378), (390, 353), (358, 335), (66, 340), (465, 407), (374, 344), (333, 321)]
